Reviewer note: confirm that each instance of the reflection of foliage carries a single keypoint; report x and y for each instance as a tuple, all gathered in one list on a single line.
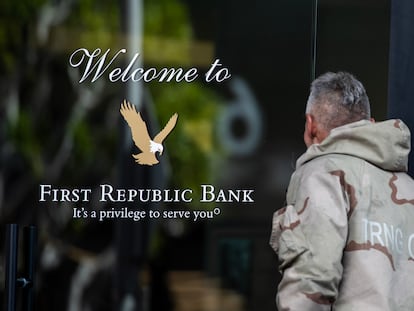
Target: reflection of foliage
[(22, 10), (48, 129), (95, 15), (166, 18), (60, 132), (95, 23), (50, 132), (23, 135), (54, 130), (15, 19), (191, 148)]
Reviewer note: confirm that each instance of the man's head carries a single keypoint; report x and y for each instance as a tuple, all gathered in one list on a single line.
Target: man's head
[(335, 99)]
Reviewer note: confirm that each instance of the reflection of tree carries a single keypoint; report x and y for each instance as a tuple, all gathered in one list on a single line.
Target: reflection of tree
[(57, 131), (191, 147)]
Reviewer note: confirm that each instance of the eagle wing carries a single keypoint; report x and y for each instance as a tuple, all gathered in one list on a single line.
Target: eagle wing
[(159, 138), (138, 127)]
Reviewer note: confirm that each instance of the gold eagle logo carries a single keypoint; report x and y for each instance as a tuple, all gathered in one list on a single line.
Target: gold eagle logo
[(141, 137)]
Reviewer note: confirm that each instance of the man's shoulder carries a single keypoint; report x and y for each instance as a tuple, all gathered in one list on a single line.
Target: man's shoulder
[(332, 162)]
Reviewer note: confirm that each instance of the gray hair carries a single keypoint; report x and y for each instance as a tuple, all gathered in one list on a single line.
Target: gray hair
[(337, 99)]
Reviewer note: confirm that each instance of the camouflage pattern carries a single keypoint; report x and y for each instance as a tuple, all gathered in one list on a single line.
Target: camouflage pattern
[(345, 239)]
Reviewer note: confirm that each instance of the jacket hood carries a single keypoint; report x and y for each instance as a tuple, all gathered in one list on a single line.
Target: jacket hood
[(385, 144)]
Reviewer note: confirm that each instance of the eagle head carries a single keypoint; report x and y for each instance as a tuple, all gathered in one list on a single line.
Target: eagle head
[(154, 147)]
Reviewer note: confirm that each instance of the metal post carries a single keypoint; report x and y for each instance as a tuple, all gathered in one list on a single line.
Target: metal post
[(129, 235), (11, 266), (314, 36), (29, 242)]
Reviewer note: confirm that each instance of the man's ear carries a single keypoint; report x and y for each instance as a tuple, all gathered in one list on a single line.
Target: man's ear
[(310, 123), (310, 130)]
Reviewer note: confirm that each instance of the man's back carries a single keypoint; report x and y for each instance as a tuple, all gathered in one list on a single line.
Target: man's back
[(378, 257), (346, 237)]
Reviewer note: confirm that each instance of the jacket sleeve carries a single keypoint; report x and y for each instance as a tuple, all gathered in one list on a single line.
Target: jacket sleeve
[(309, 237)]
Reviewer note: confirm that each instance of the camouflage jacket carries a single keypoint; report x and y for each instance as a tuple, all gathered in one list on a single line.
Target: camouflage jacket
[(345, 239)]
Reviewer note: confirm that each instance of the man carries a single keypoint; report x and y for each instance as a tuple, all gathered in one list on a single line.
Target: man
[(346, 237)]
